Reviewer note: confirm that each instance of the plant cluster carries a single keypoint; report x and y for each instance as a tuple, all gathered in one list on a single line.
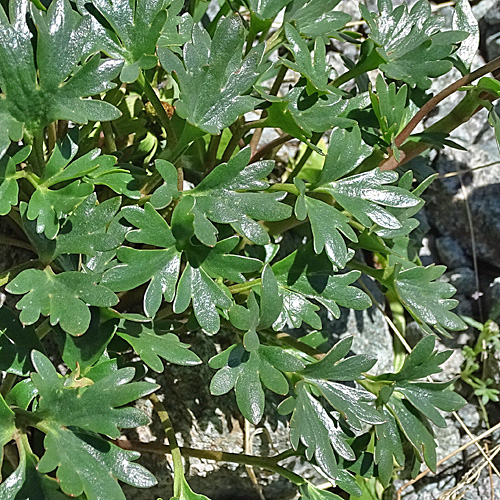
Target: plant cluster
[(132, 167)]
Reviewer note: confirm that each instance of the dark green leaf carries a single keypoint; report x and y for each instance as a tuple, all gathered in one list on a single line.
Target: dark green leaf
[(196, 285), (300, 114), (36, 96), (65, 297), (345, 153), (333, 367), (48, 206), (247, 371), (310, 492), (214, 77), (16, 343), (311, 65), (151, 344), (9, 189), (85, 231), (95, 407), (312, 278), (314, 18), (416, 429), (421, 362), (26, 483), (267, 9), (428, 300), (225, 196), (355, 405), (312, 425), (7, 423), (87, 349), (168, 191), (271, 304), (390, 107), (428, 396), (388, 447), (327, 224), (412, 44), (135, 29), (160, 266), (88, 464)]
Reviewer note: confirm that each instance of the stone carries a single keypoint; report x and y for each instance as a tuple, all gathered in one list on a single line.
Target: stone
[(450, 253), (463, 279), (448, 202)]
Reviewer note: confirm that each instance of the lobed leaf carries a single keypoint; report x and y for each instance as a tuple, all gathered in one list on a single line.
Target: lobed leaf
[(64, 297), (213, 76)]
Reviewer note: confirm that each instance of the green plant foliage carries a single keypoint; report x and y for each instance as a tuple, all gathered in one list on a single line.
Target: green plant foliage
[(54, 89), (410, 43), (130, 32), (211, 65), (63, 297), (156, 214), (315, 18)]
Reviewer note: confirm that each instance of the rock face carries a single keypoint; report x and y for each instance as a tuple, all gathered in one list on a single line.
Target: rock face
[(449, 202)]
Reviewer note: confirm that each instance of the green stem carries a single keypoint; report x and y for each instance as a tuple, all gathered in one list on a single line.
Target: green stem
[(238, 133), (286, 339), (244, 287), (307, 153), (158, 106), (275, 40), (279, 186), (213, 148), (224, 10), (268, 463), (10, 274), (109, 137), (7, 384), (378, 274), (37, 158), (174, 449), (52, 137), (43, 329)]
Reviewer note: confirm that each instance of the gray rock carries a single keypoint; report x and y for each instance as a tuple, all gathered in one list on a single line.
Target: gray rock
[(447, 205), (451, 254), (494, 299), (487, 11), (492, 46), (463, 279)]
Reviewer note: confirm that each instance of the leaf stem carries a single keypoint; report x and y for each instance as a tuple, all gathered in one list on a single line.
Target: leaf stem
[(37, 157), (174, 449), (52, 137), (268, 463), (43, 329), (434, 101), (109, 137), (303, 159), (213, 148), (280, 186), (275, 40), (270, 147), (158, 106), (244, 287), (7, 383)]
